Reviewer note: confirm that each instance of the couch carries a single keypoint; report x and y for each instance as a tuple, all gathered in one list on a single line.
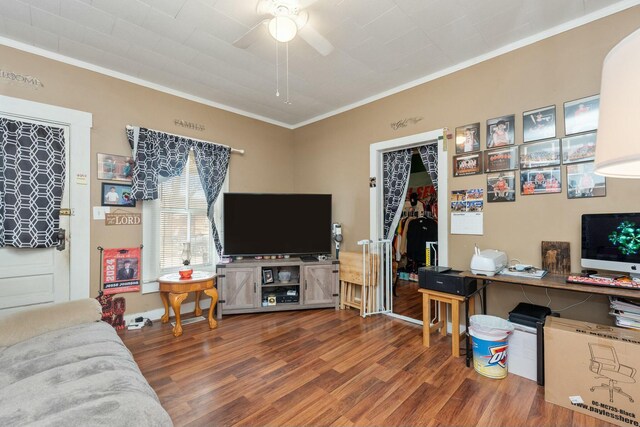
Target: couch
[(60, 365)]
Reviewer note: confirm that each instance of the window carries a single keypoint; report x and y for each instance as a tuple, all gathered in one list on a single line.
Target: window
[(178, 216)]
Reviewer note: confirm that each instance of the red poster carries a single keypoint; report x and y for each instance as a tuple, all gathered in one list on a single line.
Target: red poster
[(121, 270)]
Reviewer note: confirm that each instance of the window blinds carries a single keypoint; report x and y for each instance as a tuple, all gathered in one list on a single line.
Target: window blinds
[(183, 218)]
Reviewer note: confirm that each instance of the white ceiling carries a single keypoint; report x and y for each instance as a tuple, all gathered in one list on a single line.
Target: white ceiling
[(186, 45)]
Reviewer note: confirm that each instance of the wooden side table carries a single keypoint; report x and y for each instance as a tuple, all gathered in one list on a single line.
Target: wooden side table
[(443, 298), (174, 290)]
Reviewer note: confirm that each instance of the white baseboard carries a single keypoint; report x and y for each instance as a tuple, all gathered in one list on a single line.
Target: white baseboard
[(157, 313)]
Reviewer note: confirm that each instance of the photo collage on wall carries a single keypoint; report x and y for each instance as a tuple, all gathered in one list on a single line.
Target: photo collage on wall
[(541, 156)]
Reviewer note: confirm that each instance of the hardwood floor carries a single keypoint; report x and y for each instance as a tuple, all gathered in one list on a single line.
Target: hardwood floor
[(328, 368), (409, 300)]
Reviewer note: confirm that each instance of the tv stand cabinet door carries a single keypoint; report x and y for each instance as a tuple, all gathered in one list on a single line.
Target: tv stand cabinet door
[(319, 284), (239, 289)]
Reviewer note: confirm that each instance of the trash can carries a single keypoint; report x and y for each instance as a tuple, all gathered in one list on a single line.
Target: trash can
[(490, 338)]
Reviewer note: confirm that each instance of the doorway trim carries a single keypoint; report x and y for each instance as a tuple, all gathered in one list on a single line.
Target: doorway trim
[(376, 197), (79, 123)]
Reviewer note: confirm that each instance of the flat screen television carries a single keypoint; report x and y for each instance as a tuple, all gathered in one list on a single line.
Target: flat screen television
[(276, 224), (611, 242)]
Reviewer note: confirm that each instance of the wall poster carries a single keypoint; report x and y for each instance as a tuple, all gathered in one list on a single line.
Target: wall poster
[(121, 270)]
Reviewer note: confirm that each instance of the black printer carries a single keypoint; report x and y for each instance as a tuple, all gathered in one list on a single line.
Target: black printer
[(444, 279)]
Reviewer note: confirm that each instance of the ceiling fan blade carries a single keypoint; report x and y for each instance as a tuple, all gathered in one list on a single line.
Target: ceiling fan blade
[(316, 40), (250, 36)]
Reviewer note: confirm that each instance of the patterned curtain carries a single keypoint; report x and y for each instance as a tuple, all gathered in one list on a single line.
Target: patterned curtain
[(213, 162), (429, 156), (156, 154), (32, 174), (395, 176), (159, 154)]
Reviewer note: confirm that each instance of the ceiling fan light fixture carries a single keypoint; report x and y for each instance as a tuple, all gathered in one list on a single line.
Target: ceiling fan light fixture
[(283, 28)]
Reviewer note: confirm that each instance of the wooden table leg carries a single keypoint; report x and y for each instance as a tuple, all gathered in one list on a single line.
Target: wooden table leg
[(472, 306), (343, 294), (165, 301), (443, 318), (426, 319), (198, 311), (213, 293), (455, 328), (176, 300)]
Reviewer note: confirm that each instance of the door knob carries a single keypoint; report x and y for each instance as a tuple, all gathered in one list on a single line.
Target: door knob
[(62, 243)]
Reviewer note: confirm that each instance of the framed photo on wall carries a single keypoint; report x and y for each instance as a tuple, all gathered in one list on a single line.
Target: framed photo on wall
[(581, 115), (579, 148), (539, 124), (467, 164), (116, 194), (501, 187), (501, 131), (501, 159), (540, 181), (115, 168), (582, 182), (468, 138), (539, 154)]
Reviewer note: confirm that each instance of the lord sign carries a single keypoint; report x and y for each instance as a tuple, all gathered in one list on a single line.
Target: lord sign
[(122, 218)]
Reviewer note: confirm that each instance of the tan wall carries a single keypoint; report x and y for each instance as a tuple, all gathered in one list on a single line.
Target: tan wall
[(266, 166), (332, 155)]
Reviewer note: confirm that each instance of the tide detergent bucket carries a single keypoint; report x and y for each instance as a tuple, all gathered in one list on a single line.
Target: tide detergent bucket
[(490, 337)]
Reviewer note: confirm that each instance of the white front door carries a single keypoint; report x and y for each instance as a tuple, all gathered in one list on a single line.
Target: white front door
[(37, 276)]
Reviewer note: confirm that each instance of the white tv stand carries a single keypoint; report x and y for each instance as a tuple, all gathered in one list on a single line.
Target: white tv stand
[(242, 289)]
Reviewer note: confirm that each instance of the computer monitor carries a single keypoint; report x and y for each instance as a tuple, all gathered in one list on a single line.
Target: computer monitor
[(611, 242)]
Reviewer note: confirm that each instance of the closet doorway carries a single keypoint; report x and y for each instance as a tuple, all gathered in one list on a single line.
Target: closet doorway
[(391, 167)]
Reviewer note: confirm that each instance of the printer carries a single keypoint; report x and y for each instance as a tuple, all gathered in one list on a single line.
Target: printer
[(488, 262)]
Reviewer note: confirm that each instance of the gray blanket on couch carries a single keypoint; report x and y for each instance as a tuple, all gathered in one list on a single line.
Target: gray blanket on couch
[(77, 376)]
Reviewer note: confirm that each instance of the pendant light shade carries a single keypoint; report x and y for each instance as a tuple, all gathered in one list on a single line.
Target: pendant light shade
[(618, 141), (283, 28)]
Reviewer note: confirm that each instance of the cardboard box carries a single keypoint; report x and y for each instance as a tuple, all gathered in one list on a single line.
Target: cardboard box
[(593, 369), (522, 353)]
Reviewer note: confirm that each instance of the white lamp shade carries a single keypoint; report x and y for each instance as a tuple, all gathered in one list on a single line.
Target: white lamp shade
[(283, 28), (618, 141)]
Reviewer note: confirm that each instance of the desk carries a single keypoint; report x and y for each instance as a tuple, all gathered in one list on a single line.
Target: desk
[(550, 281), (174, 290)]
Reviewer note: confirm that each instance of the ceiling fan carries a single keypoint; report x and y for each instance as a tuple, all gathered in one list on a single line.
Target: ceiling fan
[(283, 19)]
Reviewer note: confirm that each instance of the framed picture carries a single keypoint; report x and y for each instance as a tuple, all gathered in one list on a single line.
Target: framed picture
[(121, 270), (267, 275), (501, 159), (539, 124), (581, 115), (114, 194), (540, 181), (545, 153), (468, 138), (582, 182), (501, 187), (501, 131), (579, 148), (115, 168), (467, 164), (556, 257)]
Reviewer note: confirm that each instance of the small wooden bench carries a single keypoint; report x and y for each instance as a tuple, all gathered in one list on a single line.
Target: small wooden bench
[(456, 302)]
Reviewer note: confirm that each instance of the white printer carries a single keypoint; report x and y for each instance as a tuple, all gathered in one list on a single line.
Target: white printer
[(488, 262)]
